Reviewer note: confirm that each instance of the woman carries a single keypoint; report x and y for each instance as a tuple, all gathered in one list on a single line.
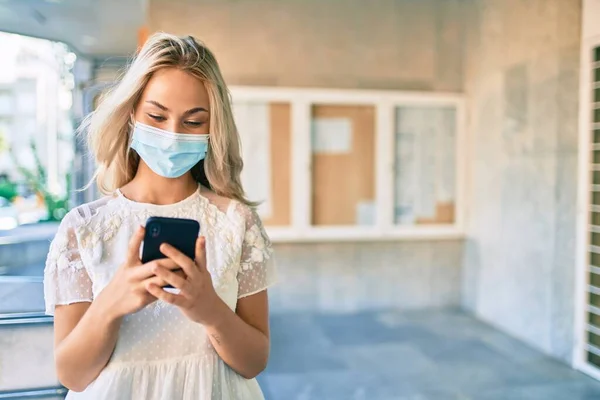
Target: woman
[(166, 145)]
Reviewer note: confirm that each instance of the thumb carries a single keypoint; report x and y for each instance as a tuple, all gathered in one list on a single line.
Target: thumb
[(133, 252), (201, 253)]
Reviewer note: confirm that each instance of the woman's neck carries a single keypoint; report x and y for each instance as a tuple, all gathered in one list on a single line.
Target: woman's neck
[(148, 187)]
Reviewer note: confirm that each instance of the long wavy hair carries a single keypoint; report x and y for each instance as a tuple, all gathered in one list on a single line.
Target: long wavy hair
[(110, 126)]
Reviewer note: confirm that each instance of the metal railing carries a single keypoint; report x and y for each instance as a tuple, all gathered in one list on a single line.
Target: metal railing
[(37, 393), (27, 318)]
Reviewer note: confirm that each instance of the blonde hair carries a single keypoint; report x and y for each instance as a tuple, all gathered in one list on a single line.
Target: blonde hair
[(110, 126)]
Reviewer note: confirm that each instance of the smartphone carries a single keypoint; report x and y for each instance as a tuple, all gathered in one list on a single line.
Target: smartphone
[(178, 232)]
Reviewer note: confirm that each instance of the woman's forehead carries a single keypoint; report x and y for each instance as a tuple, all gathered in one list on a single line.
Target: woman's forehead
[(176, 87)]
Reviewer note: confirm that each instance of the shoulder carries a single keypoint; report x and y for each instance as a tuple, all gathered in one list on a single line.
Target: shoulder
[(232, 207), (247, 214), (255, 235), (82, 215)]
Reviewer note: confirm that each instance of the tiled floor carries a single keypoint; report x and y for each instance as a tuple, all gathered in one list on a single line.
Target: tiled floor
[(434, 355)]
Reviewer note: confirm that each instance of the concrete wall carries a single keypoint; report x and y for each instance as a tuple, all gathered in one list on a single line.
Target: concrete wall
[(518, 62), (348, 277), (389, 44), (385, 44), (522, 81), (26, 357)]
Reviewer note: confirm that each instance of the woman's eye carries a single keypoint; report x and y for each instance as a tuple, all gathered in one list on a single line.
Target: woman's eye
[(194, 124), (157, 117)]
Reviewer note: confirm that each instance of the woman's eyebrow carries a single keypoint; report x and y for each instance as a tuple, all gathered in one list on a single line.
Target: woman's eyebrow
[(157, 104), (194, 111), (187, 113)]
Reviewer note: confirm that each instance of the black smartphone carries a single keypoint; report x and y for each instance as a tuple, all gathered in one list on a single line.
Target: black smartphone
[(178, 232)]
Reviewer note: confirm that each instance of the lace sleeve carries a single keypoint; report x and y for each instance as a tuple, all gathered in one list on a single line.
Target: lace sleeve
[(257, 269), (66, 280)]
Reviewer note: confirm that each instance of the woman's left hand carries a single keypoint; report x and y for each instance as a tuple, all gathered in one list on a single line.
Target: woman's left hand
[(197, 298)]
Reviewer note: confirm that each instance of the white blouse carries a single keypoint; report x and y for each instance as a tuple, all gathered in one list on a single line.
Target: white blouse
[(160, 354)]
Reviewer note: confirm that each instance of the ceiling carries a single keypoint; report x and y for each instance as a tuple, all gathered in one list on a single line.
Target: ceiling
[(96, 28)]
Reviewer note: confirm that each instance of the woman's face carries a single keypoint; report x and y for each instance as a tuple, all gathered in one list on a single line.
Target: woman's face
[(175, 101)]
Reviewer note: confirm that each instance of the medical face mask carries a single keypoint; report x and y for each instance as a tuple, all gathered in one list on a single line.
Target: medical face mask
[(166, 153)]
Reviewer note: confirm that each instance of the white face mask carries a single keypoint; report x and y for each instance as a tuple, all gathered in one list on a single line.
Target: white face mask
[(168, 154)]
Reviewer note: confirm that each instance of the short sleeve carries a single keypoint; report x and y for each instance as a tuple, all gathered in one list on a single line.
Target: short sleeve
[(66, 281), (257, 268)]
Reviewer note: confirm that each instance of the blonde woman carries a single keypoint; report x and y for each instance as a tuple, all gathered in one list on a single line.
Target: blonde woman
[(166, 145)]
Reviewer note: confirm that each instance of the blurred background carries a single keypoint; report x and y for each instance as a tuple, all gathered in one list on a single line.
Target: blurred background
[(430, 171)]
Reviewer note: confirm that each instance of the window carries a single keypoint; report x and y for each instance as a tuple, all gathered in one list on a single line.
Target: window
[(6, 103), (31, 203), (264, 128), (425, 165), (343, 165), (586, 354), (35, 166), (26, 97), (352, 165), (588, 315)]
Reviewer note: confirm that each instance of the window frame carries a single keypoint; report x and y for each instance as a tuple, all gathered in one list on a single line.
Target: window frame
[(301, 101), (590, 41)]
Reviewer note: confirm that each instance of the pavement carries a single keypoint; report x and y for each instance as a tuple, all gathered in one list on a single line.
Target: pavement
[(424, 355), (385, 355)]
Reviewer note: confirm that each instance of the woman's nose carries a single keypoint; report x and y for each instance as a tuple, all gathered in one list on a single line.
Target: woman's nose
[(173, 126)]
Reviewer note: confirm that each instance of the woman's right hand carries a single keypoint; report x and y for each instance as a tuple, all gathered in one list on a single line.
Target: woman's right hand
[(126, 293)]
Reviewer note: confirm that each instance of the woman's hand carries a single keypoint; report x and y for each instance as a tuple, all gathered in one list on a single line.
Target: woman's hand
[(197, 298), (126, 292)]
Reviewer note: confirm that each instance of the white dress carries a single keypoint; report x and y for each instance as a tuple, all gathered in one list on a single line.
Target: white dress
[(160, 354)]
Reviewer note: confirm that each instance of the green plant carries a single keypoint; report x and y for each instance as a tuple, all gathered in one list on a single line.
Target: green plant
[(37, 180), (8, 189)]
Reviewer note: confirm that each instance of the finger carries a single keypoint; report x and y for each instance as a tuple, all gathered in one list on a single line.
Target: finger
[(133, 251), (155, 280), (145, 271), (187, 264), (167, 297), (174, 280), (149, 299), (201, 253)]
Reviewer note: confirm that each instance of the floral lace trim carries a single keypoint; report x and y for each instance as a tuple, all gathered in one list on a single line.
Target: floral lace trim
[(245, 243), (110, 221)]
